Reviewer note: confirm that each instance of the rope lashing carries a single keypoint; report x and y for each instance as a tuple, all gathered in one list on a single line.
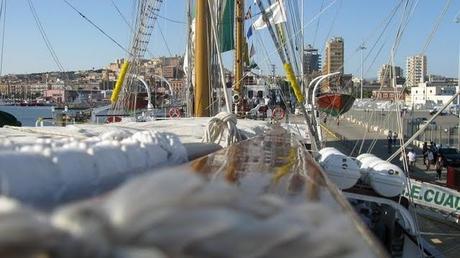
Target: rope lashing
[(215, 128)]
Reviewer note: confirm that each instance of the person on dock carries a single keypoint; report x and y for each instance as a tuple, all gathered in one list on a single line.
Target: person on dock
[(411, 156), (424, 151), (430, 159), (395, 137), (389, 140), (438, 166)]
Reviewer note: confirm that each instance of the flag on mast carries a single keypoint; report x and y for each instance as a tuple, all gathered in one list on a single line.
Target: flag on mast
[(249, 34), (248, 14), (226, 21), (275, 14), (252, 52)]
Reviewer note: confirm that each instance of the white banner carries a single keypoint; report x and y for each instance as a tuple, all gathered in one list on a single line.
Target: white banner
[(275, 14), (434, 196)]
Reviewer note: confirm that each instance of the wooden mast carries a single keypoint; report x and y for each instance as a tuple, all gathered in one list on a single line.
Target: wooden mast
[(239, 47), (201, 60)]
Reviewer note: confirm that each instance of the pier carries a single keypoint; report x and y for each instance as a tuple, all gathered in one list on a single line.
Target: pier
[(434, 227)]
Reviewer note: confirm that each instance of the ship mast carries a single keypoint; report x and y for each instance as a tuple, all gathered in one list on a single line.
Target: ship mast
[(239, 47), (201, 95)]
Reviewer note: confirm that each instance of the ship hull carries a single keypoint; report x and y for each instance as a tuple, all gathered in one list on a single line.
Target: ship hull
[(335, 104)]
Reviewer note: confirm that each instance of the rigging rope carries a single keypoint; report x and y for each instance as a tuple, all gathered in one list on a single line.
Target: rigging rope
[(436, 26), (407, 14), (97, 27), (317, 24), (121, 14), (48, 44), (171, 20), (164, 40), (278, 48), (145, 20), (339, 7), (2, 16)]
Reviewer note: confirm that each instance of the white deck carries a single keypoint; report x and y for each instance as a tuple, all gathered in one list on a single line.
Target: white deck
[(187, 129)]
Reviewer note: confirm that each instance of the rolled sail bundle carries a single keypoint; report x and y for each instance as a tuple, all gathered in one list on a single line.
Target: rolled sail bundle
[(384, 177), (340, 169), (54, 171), (178, 213), (27, 175)]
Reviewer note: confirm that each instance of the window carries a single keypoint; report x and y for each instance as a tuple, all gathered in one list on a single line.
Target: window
[(250, 94), (260, 94)]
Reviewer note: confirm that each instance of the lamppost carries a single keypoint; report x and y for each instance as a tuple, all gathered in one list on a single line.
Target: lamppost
[(457, 20), (362, 47)]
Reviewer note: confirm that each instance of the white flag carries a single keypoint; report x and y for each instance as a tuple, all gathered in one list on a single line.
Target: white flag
[(275, 14), (192, 43)]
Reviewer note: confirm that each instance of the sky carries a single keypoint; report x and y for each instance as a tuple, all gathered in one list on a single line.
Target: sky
[(80, 46)]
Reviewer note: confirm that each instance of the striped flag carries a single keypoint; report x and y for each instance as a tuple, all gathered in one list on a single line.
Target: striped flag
[(249, 34), (248, 14)]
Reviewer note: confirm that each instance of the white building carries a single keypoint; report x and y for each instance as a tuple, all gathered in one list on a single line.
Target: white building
[(433, 93), (416, 70)]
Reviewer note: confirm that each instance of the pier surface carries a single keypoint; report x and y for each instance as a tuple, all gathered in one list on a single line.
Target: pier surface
[(348, 138)]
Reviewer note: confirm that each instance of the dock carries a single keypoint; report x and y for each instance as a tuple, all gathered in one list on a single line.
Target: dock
[(348, 138)]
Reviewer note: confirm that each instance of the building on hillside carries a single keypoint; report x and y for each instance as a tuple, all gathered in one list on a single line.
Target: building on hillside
[(37, 89), (178, 88), (172, 61), (115, 67), (64, 96)]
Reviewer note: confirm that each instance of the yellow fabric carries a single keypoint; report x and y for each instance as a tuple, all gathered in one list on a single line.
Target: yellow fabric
[(285, 168), (280, 32), (293, 81), (119, 84)]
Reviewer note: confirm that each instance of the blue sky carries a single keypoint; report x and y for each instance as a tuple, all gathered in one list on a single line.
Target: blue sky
[(81, 46)]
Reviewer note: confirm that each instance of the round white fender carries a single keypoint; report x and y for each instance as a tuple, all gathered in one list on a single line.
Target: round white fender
[(341, 169), (384, 177), (387, 179)]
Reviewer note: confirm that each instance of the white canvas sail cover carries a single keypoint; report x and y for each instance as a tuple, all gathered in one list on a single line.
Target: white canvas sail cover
[(275, 14)]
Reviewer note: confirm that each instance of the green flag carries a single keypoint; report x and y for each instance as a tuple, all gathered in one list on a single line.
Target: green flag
[(253, 65), (226, 23)]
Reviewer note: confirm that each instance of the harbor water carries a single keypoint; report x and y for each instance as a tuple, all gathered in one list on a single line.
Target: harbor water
[(28, 115)]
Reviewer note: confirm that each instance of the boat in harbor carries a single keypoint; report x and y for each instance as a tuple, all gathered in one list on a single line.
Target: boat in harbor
[(335, 104)]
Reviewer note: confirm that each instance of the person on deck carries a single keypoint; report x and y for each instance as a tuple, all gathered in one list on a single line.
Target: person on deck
[(395, 137), (430, 159)]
